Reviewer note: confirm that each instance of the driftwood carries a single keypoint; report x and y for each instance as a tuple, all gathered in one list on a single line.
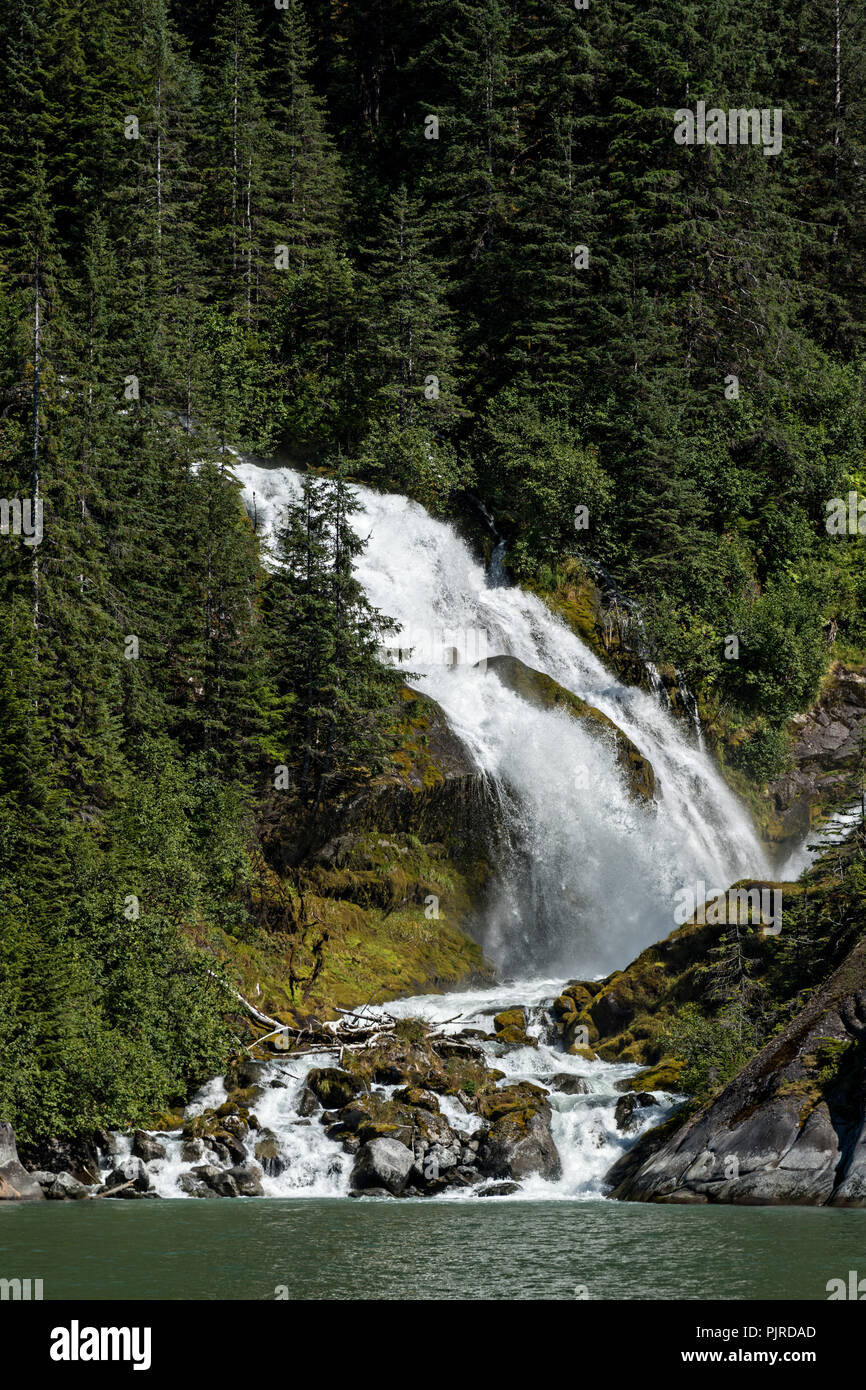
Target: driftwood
[(109, 1191)]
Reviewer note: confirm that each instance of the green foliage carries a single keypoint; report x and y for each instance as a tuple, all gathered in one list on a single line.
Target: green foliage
[(712, 1050), (330, 685), (282, 260), (537, 473)]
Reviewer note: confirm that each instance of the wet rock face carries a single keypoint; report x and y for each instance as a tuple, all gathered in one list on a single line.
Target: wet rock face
[(568, 1084), (790, 1128), (333, 1087), (510, 1027), (64, 1188), (825, 756), (627, 1115), (145, 1147), (545, 693), (519, 1143)]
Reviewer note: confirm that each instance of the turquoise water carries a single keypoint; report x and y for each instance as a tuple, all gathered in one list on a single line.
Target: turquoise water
[(339, 1249)]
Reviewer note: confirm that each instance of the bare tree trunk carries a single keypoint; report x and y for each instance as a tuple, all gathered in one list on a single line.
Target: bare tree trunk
[(837, 107), (34, 472)]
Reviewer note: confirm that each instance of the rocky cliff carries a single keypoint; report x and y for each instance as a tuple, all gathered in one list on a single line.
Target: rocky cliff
[(790, 1128)]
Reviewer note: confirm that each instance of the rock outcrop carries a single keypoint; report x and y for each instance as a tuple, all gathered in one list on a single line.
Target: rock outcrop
[(16, 1184), (825, 757), (790, 1128), (545, 693)]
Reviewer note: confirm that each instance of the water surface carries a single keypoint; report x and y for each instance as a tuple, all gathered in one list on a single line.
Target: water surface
[(393, 1249)]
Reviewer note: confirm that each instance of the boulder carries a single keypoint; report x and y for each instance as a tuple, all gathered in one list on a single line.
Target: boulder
[(247, 1072), (628, 1108), (194, 1187), (520, 1096), (567, 1084), (16, 1184), (498, 1189), (236, 1125), (217, 1179), (145, 1147), (333, 1087), (45, 1180), (248, 1180), (106, 1142), (269, 1153), (307, 1103), (510, 1018), (228, 1142), (383, 1163), (132, 1174), (417, 1096), (65, 1188), (520, 1145), (372, 1116)]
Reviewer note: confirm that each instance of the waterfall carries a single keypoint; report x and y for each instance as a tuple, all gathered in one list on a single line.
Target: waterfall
[(593, 876), (583, 1120)]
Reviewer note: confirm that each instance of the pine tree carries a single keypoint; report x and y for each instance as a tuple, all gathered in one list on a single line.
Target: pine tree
[(324, 639)]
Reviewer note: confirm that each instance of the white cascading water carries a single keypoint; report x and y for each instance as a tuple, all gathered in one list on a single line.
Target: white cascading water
[(594, 874), (583, 1126)]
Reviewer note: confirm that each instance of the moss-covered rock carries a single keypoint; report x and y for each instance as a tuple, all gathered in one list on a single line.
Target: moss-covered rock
[(789, 1127), (333, 1087), (523, 1095), (510, 1018), (519, 1144), (546, 693)]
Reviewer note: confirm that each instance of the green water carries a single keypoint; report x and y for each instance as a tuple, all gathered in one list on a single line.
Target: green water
[(338, 1249)]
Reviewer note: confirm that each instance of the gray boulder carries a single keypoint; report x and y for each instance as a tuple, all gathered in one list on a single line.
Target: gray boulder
[(131, 1175), (145, 1147), (627, 1113), (383, 1163), (520, 1145), (269, 1153), (66, 1188), (194, 1187), (248, 1180), (16, 1184), (568, 1084), (221, 1183)]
